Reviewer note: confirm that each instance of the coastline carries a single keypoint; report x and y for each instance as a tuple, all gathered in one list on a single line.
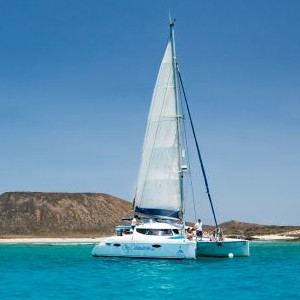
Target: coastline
[(66, 241), (273, 237), (72, 241)]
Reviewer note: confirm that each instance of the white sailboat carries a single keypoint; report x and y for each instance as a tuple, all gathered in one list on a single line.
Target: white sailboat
[(159, 200)]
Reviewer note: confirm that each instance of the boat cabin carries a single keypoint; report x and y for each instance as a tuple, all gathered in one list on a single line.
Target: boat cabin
[(122, 230), (157, 229), (159, 232)]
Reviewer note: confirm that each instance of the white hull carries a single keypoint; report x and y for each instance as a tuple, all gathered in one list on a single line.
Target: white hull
[(223, 248), (166, 248), (162, 240), (153, 248)]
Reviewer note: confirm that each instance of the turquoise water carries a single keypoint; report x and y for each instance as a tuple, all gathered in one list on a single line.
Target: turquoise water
[(69, 272)]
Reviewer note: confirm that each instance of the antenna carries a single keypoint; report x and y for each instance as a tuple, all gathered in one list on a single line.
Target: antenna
[(171, 21)]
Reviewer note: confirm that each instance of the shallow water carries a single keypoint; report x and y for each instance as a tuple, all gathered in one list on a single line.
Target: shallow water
[(70, 272)]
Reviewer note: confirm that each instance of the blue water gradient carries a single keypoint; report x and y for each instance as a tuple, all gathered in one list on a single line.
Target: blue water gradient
[(70, 272)]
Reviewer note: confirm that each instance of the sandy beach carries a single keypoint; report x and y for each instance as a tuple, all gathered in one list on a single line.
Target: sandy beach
[(288, 235), (72, 241), (51, 241), (273, 237)]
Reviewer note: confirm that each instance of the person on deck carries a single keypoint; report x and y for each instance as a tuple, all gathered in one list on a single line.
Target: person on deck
[(198, 227), (189, 234), (133, 222)]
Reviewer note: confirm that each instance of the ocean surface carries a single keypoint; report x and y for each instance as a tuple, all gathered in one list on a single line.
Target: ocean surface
[(70, 272)]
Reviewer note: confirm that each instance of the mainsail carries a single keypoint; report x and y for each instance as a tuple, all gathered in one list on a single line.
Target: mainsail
[(159, 186)]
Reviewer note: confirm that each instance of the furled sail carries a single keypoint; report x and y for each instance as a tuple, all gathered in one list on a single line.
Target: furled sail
[(158, 188)]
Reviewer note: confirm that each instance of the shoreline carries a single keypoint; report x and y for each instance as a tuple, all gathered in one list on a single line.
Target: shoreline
[(273, 237), (72, 241), (66, 241)]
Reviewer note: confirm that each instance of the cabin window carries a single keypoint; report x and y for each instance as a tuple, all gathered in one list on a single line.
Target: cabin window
[(176, 231), (159, 232), (123, 230)]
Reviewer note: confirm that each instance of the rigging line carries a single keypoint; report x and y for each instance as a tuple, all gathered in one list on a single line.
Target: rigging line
[(198, 151), (187, 155)]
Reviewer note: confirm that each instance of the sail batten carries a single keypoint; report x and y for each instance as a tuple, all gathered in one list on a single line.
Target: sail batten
[(158, 189)]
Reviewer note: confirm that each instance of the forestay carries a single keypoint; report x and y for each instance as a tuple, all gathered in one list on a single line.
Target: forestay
[(158, 190)]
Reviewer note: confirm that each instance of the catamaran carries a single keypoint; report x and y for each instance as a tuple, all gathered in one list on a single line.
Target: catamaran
[(159, 199)]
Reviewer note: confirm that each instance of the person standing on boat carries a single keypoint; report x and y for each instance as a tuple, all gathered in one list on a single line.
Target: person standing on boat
[(133, 222), (198, 227)]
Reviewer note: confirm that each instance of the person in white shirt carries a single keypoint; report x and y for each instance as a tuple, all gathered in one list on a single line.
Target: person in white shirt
[(198, 227), (133, 223)]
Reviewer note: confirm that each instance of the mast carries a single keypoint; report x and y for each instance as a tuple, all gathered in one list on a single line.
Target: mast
[(178, 116)]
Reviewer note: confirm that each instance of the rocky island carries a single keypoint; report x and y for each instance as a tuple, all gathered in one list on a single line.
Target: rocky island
[(35, 214), (90, 215)]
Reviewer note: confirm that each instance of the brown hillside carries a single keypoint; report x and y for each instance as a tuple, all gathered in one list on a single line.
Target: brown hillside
[(60, 214), (235, 228), (89, 215)]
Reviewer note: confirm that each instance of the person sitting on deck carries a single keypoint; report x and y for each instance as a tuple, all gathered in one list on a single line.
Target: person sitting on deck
[(189, 234)]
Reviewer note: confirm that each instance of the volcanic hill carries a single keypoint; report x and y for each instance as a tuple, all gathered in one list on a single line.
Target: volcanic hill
[(27, 214), (35, 214)]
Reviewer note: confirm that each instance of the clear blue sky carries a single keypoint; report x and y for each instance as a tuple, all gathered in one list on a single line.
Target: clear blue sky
[(76, 79)]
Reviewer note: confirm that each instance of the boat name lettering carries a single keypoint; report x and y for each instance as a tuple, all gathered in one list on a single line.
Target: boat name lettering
[(127, 247)]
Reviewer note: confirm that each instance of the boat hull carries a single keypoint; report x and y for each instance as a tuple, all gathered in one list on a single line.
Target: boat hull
[(155, 249), (225, 248)]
